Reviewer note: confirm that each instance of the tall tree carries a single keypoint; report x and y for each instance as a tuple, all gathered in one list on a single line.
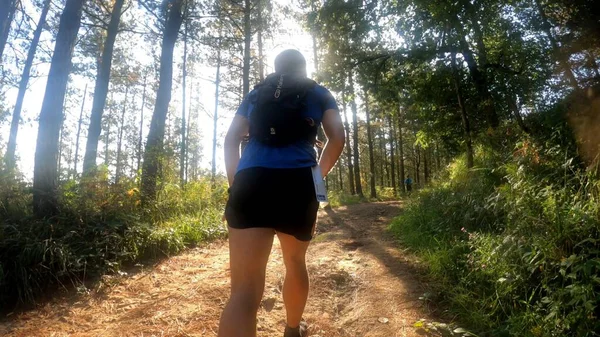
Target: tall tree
[(45, 175), (79, 132), (16, 117), (392, 159), (348, 147), (401, 150), (463, 112), (140, 137), (563, 59), (121, 130), (101, 89), (156, 135), (259, 38), (486, 100), (7, 13), (109, 120), (247, 42), (216, 113), (370, 145), (382, 156), (182, 148), (355, 131)]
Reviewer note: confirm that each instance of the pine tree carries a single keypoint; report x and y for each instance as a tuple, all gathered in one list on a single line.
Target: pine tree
[(156, 135), (16, 117), (45, 176)]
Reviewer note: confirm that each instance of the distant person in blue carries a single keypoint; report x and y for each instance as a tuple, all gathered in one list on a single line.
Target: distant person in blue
[(272, 191), (408, 183)]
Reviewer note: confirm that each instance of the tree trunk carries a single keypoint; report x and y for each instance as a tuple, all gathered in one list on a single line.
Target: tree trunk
[(418, 164), (471, 10), (107, 139), (247, 41), (314, 40), (340, 176), (261, 27), (357, 181), (370, 141), (182, 150), (426, 165), (392, 159), (139, 146), (79, 132), (101, 90), (512, 102), (401, 150), (463, 113), (382, 157), (216, 116), (45, 175), (60, 147), (563, 59), (16, 117), (7, 14), (438, 164), (348, 147), (315, 54), (187, 134), (156, 135), (386, 162), (119, 169), (485, 101)]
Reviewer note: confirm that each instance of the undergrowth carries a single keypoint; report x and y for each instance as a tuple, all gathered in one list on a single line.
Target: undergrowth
[(342, 198), (513, 245), (100, 228)]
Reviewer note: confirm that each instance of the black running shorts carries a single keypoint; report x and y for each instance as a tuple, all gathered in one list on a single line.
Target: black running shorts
[(281, 199)]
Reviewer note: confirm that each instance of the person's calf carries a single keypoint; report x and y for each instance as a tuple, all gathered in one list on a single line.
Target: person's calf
[(295, 294), (239, 317)]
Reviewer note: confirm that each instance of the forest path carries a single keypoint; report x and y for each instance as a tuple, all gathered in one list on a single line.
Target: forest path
[(361, 285)]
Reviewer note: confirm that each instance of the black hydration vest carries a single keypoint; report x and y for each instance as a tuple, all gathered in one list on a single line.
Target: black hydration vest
[(277, 117)]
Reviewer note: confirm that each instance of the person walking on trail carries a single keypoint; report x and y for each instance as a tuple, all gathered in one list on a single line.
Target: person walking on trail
[(408, 182), (274, 189)]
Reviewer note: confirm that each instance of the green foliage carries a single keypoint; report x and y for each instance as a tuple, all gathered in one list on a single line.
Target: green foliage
[(99, 229), (341, 198), (513, 251)]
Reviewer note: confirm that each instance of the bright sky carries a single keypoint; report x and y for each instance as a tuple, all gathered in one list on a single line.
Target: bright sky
[(294, 38)]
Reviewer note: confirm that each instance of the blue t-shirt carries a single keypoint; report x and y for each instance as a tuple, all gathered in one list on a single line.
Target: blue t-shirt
[(296, 155)]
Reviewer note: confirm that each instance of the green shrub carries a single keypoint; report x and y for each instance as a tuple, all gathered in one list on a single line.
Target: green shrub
[(514, 250), (341, 198), (99, 228)]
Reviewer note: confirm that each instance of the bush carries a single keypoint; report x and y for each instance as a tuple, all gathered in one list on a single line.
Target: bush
[(341, 198), (100, 227), (513, 251)]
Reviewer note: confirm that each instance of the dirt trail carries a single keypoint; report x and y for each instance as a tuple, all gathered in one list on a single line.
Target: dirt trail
[(361, 286)]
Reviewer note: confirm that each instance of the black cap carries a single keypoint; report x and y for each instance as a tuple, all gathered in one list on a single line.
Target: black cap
[(290, 61)]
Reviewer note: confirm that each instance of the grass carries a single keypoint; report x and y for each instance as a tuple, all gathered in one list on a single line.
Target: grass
[(343, 198), (513, 250), (100, 228)]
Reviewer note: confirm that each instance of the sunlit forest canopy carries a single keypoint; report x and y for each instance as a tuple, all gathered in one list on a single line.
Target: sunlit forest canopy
[(113, 113)]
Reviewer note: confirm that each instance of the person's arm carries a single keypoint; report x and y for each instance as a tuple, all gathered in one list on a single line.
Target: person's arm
[(336, 138), (237, 130)]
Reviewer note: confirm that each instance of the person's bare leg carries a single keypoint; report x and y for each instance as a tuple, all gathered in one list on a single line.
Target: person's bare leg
[(295, 286), (249, 251)]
